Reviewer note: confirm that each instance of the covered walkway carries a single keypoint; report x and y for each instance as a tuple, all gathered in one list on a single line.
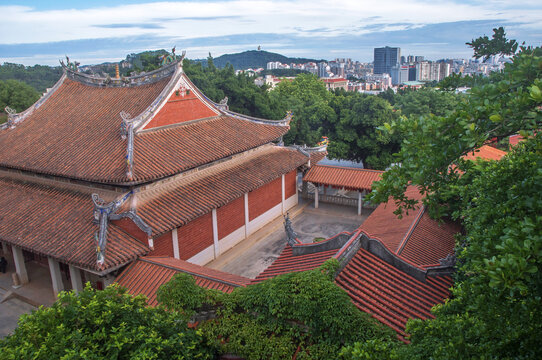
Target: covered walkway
[(345, 179)]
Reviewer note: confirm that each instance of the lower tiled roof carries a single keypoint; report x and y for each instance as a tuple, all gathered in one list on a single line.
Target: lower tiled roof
[(430, 241), (147, 274), (57, 222), (288, 263), (389, 294), (338, 176), (385, 226), (485, 152), (183, 200)]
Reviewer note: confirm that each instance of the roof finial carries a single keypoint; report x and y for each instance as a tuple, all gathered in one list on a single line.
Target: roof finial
[(117, 75), (290, 233), (289, 116)]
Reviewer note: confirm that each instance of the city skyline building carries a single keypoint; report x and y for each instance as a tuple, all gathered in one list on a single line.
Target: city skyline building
[(385, 58)]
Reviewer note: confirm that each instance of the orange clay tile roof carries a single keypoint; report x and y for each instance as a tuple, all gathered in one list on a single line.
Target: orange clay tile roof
[(288, 263), (430, 241), (415, 237), (181, 201), (147, 274), (390, 295), (316, 156), (57, 222), (385, 226), (333, 80), (337, 176), (76, 133), (485, 152)]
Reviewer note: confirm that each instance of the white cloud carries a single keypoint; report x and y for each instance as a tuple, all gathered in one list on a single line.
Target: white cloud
[(223, 18)]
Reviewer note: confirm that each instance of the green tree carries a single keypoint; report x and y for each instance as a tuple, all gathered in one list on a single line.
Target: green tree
[(355, 135), (106, 324), (304, 313), (309, 100), (498, 45), (425, 101), (495, 308), (17, 95)]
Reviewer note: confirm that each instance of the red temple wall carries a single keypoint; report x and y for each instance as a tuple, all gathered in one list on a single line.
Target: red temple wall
[(264, 198), (230, 217), (290, 184), (195, 236), (163, 246)]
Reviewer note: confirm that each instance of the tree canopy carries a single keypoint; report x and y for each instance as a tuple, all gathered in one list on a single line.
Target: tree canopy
[(103, 324)]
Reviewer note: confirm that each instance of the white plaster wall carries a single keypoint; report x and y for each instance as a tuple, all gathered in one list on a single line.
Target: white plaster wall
[(204, 256), (290, 202), (264, 218), (231, 240)]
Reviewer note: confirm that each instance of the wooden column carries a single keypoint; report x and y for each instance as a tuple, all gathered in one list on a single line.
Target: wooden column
[(56, 276), (283, 194), (359, 202), (175, 240), (20, 266), (215, 232), (316, 191), (247, 219), (75, 276)]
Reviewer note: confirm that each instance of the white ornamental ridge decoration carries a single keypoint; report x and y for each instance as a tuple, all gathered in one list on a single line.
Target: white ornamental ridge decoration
[(128, 132), (103, 213)]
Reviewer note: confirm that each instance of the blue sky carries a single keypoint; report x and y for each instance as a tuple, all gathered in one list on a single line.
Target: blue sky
[(42, 32)]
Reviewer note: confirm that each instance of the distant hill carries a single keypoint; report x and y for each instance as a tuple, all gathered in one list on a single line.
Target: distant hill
[(255, 59), (41, 77)]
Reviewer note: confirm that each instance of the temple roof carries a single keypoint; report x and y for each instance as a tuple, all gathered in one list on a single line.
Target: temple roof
[(179, 200), (388, 294), (343, 177), (147, 274), (416, 238), (287, 262), (485, 152), (75, 130), (52, 219)]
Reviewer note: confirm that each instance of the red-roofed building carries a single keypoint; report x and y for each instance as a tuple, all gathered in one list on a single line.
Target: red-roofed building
[(101, 171), (145, 275), (335, 83), (394, 269), (485, 152), (338, 177)]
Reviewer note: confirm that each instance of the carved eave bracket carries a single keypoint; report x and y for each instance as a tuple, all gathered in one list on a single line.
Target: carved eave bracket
[(105, 212)]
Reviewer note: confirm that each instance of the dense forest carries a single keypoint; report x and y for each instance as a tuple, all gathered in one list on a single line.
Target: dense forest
[(494, 311)]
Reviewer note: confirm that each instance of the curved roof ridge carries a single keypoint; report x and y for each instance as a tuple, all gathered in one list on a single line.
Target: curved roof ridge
[(282, 122), (123, 81)]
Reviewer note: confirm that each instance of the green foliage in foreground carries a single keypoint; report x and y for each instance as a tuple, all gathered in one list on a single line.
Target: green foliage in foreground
[(107, 324), (304, 312)]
